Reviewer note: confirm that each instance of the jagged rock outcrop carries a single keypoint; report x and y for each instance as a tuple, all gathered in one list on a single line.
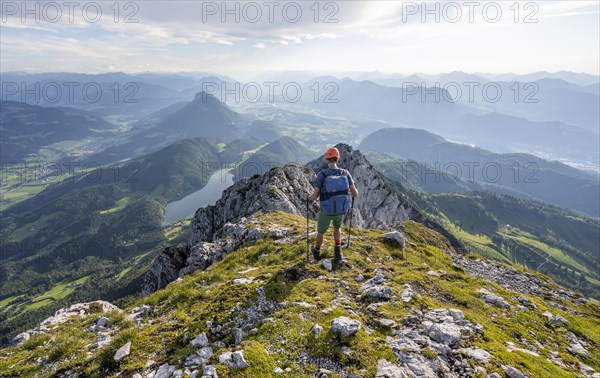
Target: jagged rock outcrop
[(281, 188), (64, 314), (175, 262)]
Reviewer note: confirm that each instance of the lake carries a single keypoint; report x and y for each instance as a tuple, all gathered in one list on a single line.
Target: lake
[(208, 195)]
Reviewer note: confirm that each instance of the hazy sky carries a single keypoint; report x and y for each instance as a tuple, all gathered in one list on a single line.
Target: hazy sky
[(390, 36)]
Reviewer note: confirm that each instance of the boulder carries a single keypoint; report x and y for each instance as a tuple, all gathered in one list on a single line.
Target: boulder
[(200, 341), (407, 294), (102, 321), (555, 320), (20, 338), (238, 336), (235, 360), (456, 314), (122, 352), (317, 330), (345, 326), (445, 333), (209, 371), (165, 371), (396, 236), (493, 299), (478, 354)]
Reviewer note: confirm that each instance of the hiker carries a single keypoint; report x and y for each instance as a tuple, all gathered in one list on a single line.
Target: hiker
[(333, 187)]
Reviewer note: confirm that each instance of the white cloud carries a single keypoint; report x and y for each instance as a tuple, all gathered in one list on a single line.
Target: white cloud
[(175, 35)]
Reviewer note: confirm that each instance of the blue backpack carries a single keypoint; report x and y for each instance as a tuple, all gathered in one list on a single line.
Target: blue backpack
[(336, 189)]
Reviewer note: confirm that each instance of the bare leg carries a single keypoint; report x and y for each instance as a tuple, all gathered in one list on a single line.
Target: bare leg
[(319, 241), (337, 234)]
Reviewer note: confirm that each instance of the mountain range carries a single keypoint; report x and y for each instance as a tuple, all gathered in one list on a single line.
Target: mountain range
[(453, 167)]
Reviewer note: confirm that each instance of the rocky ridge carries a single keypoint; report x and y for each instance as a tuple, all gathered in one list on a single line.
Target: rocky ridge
[(282, 188)]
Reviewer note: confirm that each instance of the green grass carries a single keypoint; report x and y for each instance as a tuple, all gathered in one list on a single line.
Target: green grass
[(7, 301), (123, 273), (481, 243), (247, 154), (557, 254), (61, 290), (120, 205)]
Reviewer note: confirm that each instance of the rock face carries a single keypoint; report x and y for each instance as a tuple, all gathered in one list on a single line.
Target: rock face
[(377, 205), (281, 188), (175, 262)]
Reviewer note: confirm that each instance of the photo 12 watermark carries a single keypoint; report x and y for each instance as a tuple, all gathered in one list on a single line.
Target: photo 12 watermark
[(69, 92), (470, 11), (271, 92), (252, 12), (490, 172), (471, 92), (69, 12)]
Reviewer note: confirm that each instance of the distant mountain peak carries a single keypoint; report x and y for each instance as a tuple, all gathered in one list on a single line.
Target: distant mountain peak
[(205, 97)]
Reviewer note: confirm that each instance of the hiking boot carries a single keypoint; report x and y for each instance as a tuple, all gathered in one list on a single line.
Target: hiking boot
[(337, 254), (316, 253)]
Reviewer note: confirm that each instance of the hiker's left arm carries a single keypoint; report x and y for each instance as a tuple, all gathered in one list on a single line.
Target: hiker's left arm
[(353, 190)]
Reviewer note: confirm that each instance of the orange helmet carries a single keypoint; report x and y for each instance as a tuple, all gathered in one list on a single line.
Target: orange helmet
[(332, 153)]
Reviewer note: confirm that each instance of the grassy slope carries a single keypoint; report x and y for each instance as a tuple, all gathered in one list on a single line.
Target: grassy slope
[(540, 233), (113, 215), (185, 306)]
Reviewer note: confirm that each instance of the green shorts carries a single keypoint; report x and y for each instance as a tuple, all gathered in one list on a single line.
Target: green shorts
[(324, 220)]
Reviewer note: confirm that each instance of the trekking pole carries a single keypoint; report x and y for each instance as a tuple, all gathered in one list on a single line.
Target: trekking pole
[(307, 242), (350, 227)]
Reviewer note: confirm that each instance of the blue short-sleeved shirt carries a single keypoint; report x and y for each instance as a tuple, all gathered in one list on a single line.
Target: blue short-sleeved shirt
[(331, 172)]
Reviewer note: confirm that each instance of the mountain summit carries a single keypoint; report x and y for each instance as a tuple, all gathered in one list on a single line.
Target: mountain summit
[(282, 188), (204, 116)]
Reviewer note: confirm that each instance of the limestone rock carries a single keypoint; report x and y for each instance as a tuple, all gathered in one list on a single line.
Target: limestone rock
[(317, 330), (396, 236), (386, 369), (345, 326), (445, 333), (512, 372), (555, 320), (122, 352), (200, 341), (478, 354), (493, 299), (235, 360)]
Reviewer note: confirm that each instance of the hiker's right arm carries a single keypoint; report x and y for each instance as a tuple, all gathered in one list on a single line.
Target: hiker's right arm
[(353, 191), (313, 196)]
